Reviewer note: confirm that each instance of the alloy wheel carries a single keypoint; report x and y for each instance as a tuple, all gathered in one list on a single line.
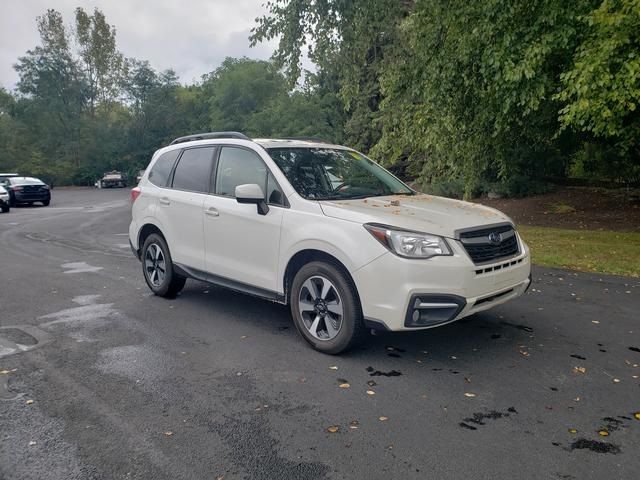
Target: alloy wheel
[(320, 307), (155, 265)]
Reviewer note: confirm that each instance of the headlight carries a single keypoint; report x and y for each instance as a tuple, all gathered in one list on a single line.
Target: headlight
[(409, 244)]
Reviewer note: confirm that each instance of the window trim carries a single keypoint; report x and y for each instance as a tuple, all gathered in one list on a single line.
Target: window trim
[(213, 192), (212, 168)]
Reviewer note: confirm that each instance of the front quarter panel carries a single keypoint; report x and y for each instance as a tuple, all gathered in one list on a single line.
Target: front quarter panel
[(309, 228)]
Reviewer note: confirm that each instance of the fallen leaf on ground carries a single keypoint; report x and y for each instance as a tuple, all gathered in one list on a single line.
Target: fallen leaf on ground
[(371, 383), (4, 372), (333, 429), (168, 434), (573, 431), (32, 443), (579, 370), (467, 379), (469, 394), (29, 402), (524, 353), (636, 415), (370, 392), (344, 385), (616, 380), (383, 419), (595, 321), (603, 433), (243, 337), (333, 367), (353, 424)]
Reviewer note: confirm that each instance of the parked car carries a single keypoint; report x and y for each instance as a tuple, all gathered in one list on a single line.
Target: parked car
[(27, 190), (5, 205), (112, 179), (5, 176), (324, 229)]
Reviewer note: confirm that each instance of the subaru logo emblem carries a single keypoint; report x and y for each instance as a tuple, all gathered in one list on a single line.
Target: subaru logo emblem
[(495, 238)]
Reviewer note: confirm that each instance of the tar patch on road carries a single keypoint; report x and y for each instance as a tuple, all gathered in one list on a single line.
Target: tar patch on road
[(377, 373), (595, 446), (480, 418)]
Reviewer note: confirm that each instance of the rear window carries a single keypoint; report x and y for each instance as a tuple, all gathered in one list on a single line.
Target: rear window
[(25, 181), (161, 170)]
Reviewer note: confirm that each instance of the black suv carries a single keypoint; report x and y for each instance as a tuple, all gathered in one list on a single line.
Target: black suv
[(27, 190)]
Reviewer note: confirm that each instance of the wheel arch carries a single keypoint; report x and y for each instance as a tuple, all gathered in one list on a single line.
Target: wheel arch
[(308, 255), (146, 230)]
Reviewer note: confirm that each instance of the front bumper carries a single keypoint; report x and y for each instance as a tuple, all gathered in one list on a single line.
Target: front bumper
[(405, 294)]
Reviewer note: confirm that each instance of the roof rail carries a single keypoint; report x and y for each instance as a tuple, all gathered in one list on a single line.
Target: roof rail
[(207, 136), (307, 139)]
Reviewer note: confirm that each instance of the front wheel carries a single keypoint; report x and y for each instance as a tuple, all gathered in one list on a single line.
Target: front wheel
[(158, 268), (46, 203), (6, 209), (325, 307)]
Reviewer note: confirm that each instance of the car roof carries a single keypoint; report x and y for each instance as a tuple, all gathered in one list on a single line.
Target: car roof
[(9, 175), (296, 143)]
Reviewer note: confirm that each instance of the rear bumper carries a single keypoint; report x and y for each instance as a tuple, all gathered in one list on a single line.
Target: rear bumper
[(403, 294), (20, 197)]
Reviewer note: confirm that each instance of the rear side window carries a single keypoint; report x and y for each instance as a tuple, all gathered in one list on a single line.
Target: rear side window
[(193, 172), (161, 170)]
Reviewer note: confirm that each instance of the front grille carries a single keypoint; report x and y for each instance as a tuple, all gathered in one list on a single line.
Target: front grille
[(482, 249)]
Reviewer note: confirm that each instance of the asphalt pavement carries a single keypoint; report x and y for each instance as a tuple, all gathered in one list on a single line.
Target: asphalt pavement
[(99, 379)]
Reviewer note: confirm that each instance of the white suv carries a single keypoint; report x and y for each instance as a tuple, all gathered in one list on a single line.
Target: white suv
[(324, 229)]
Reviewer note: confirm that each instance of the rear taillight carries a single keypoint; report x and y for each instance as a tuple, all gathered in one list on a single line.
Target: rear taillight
[(17, 189), (135, 193)]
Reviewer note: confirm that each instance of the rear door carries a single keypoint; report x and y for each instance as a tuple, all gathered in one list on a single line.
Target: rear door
[(181, 205), (242, 245)]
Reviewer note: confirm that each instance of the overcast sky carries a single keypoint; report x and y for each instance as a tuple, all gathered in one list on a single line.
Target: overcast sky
[(190, 36)]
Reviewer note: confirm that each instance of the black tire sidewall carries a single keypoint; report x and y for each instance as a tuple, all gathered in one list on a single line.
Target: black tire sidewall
[(352, 318), (164, 289)]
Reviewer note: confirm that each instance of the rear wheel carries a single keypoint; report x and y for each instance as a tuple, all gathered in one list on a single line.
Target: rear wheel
[(158, 268), (325, 308), (46, 203)]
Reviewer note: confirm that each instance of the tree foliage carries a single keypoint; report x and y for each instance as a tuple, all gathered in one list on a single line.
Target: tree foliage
[(490, 95)]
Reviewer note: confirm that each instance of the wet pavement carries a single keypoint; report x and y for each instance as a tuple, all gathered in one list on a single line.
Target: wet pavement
[(100, 379)]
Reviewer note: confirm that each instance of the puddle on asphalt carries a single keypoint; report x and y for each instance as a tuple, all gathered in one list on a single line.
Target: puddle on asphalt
[(20, 338), (79, 267)]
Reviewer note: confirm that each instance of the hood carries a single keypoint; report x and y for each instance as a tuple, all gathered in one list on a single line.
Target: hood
[(422, 213)]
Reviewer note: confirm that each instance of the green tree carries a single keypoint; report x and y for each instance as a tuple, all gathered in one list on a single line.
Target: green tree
[(601, 90)]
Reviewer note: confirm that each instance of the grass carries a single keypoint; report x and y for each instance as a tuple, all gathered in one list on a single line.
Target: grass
[(616, 253)]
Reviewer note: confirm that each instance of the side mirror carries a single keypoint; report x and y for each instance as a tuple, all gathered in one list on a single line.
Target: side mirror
[(252, 193)]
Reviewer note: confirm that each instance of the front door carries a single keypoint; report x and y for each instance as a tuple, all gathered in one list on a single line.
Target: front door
[(240, 244)]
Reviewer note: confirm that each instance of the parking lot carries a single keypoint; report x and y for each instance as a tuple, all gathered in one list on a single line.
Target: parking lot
[(100, 379)]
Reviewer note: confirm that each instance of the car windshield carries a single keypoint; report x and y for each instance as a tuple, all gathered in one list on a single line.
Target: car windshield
[(332, 174)]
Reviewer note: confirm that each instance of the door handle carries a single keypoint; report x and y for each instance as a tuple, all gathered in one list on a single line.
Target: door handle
[(164, 201), (212, 212)]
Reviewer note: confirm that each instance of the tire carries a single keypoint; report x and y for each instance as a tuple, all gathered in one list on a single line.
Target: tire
[(336, 317), (166, 285), (6, 209), (46, 203)]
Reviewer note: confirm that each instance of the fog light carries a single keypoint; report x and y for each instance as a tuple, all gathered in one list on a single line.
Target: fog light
[(416, 316)]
